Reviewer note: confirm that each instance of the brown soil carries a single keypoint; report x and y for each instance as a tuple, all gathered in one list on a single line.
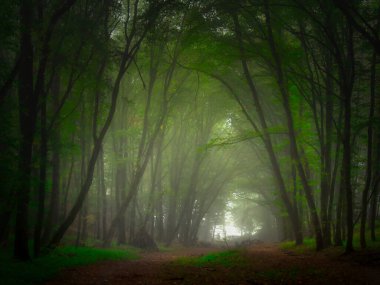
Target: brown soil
[(263, 264)]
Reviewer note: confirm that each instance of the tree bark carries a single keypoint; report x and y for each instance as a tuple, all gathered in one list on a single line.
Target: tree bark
[(103, 194), (266, 137), (91, 166), (368, 180), (291, 132), (42, 182), (347, 76), (359, 23), (53, 213), (131, 47), (326, 176), (28, 113)]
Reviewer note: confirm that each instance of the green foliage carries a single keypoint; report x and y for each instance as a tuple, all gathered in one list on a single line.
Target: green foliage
[(163, 248), (371, 245), (307, 246), (45, 267), (230, 258)]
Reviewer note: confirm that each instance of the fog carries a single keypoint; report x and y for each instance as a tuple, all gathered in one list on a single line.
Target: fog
[(153, 123)]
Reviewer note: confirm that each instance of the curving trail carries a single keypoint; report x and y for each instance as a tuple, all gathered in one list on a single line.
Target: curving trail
[(146, 270), (264, 264)]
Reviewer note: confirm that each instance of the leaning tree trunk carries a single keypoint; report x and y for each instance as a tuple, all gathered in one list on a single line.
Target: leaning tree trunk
[(291, 132), (91, 165), (266, 137), (131, 47)]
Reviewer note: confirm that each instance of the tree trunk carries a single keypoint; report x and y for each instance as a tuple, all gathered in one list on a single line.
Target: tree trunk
[(42, 182), (347, 81), (159, 214), (298, 237), (292, 134), (91, 165), (266, 137), (28, 114), (131, 47), (368, 179), (103, 194), (53, 213), (339, 210), (373, 209), (120, 188), (67, 189), (132, 221), (158, 203), (99, 189), (84, 231), (327, 188)]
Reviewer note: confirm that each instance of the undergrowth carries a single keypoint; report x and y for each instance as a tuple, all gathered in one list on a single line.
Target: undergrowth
[(230, 258), (309, 244), (43, 268)]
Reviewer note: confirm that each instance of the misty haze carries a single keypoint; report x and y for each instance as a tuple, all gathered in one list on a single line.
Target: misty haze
[(189, 142)]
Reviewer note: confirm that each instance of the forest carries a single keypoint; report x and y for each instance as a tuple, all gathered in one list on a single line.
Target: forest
[(189, 123)]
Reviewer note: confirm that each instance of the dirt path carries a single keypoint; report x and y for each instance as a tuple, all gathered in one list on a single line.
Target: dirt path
[(263, 264), (145, 270)]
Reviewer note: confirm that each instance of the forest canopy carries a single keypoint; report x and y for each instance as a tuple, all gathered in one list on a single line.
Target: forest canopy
[(166, 121)]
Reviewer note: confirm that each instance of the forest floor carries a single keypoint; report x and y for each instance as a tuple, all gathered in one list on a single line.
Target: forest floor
[(258, 264)]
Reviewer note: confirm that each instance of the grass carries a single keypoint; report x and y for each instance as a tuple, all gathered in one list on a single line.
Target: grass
[(164, 248), (229, 259), (239, 266), (371, 245), (308, 246), (41, 269)]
